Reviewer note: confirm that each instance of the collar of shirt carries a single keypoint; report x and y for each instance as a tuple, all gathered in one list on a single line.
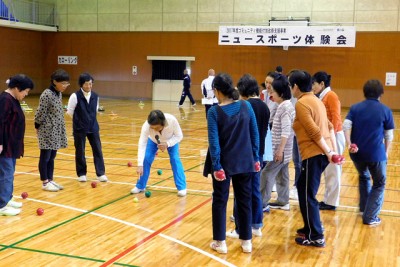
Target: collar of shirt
[(86, 95), (324, 92)]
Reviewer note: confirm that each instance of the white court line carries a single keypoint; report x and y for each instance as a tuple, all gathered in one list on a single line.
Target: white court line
[(156, 158), (355, 208), (226, 263), (120, 183)]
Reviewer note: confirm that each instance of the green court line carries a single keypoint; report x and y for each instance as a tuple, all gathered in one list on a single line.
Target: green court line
[(173, 175), (70, 256), (60, 224), (13, 245)]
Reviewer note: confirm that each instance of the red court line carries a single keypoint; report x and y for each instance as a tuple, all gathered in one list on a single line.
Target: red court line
[(111, 261)]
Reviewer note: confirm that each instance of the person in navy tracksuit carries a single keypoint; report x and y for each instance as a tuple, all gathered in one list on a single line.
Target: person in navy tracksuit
[(186, 89)]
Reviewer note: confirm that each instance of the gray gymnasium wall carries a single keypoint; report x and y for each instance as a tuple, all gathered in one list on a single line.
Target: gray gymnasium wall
[(206, 15)]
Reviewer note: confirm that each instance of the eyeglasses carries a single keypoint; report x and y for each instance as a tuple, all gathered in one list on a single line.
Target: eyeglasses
[(65, 84)]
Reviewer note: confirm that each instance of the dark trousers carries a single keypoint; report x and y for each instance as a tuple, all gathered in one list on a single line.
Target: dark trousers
[(256, 202), (307, 188), (80, 159), (183, 97), (208, 107), (46, 164), (242, 190), (296, 160)]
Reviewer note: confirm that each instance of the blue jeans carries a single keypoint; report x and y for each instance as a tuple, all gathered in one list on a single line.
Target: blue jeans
[(242, 191), (174, 159), (7, 169), (371, 197)]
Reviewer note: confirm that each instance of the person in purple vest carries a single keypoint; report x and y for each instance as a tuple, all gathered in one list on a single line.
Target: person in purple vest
[(233, 155), (82, 107)]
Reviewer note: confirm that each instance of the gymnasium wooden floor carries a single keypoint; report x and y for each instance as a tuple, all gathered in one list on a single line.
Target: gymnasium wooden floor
[(102, 226)]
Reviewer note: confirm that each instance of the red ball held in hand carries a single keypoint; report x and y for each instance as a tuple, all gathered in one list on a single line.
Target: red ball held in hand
[(220, 175), (337, 158), (257, 166)]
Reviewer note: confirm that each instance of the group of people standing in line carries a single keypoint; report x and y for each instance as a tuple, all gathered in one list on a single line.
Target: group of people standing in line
[(51, 132), (300, 119), (162, 129), (263, 136)]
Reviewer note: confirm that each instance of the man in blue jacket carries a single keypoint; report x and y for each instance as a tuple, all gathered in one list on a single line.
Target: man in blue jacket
[(186, 89)]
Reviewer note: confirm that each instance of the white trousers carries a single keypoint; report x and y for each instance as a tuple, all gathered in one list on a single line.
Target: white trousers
[(333, 174)]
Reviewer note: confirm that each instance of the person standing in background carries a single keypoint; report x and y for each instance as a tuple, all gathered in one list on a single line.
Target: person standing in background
[(368, 129), (12, 132), (207, 90), (50, 128), (321, 87), (186, 89), (82, 107)]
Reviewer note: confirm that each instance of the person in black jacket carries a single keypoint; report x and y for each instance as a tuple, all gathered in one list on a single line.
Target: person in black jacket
[(82, 107), (186, 90), (12, 131)]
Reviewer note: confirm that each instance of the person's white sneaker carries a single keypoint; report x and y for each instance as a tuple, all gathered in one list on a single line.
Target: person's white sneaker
[(247, 246), (14, 204), (82, 178), (256, 232), (9, 211), (50, 187), (182, 193), (232, 234), (293, 193), (136, 190), (102, 178), (219, 246), (57, 185)]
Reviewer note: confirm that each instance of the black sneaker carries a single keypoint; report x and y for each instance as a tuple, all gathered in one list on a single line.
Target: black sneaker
[(374, 222), (301, 232), (319, 243), (323, 206)]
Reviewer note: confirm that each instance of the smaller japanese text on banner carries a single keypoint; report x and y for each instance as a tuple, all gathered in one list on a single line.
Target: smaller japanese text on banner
[(324, 36)]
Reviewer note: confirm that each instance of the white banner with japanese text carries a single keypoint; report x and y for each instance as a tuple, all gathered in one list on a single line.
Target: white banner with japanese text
[(322, 36)]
